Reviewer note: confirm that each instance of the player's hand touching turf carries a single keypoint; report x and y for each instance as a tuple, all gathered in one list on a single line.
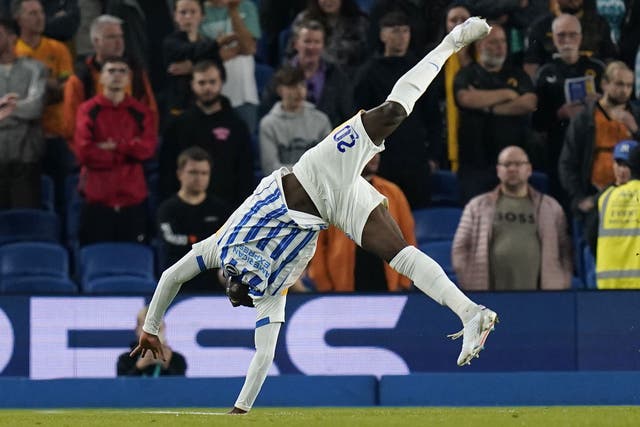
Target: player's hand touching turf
[(149, 342)]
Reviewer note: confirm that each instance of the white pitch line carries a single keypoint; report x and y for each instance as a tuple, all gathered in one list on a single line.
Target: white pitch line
[(183, 413)]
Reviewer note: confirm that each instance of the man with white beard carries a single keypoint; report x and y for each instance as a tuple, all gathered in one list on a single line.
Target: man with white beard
[(555, 110), (495, 101)]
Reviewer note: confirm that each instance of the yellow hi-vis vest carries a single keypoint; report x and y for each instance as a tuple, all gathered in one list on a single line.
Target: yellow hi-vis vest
[(618, 260)]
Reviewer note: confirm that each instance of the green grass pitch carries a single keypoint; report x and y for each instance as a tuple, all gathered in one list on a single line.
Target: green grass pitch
[(562, 416)]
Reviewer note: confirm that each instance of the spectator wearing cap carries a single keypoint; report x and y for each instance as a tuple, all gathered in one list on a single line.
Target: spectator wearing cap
[(622, 174), (617, 262)]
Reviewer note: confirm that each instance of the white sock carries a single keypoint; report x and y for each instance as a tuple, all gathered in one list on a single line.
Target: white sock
[(265, 338), (414, 82), (431, 279)]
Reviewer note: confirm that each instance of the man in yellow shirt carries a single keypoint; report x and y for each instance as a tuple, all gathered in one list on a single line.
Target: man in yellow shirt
[(29, 14)]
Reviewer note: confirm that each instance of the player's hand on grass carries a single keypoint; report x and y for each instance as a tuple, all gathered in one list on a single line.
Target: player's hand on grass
[(236, 411), (149, 342)]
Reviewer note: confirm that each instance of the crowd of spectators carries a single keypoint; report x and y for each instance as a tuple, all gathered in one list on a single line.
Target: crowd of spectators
[(155, 105)]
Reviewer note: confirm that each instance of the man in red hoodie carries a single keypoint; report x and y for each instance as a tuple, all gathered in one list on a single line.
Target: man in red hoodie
[(114, 134)]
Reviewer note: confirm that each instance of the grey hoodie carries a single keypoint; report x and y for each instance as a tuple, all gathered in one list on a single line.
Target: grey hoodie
[(285, 136), (21, 133)]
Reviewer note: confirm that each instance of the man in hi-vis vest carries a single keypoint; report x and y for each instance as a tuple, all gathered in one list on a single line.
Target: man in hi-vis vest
[(618, 260)]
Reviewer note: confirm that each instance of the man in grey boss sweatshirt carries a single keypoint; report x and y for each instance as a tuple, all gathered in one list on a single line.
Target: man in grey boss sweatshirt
[(293, 125)]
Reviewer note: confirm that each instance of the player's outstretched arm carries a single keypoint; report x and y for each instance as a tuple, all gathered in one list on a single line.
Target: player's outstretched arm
[(381, 121), (168, 286)]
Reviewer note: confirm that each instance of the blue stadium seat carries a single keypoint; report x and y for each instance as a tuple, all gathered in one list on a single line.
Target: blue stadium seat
[(263, 74), (365, 5), (576, 283), (35, 267), (262, 55), (435, 224), (120, 285), (283, 41), (153, 198), (539, 181), (444, 188), (18, 225), (589, 264), (74, 202), (47, 193), (116, 268), (441, 253), (578, 243)]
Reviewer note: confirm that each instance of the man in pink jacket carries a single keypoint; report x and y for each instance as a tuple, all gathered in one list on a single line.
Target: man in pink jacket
[(512, 238)]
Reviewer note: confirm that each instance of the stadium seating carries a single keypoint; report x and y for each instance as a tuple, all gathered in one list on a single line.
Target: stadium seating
[(19, 225), (365, 5), (441, 253), (589, 265), (435, 224), (444, 188), (35, 267), (539, 181), (116, 268), (578, 243), (153, 198), (47, 191), (283, 41), (74, 205), (577, 283), (263, 75)]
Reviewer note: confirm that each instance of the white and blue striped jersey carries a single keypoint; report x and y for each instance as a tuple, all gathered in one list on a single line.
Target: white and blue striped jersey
[(264, 243)]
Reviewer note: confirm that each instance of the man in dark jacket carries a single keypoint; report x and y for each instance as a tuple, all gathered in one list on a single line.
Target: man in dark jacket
[(556, 106), (114, 134), (415, 148), (213, 125), (586, 160), (596, 40)]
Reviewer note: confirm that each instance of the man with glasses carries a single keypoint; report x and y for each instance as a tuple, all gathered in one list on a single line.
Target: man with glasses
[(595, 42), (512, 238), (580, 75), (114, 135)]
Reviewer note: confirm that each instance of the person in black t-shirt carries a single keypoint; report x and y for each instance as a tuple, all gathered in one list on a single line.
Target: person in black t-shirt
[(191, 215), (495, 101)]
